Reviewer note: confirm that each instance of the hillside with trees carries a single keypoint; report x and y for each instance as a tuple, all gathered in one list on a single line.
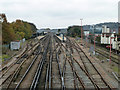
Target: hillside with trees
[(74, 31), (16, 30)]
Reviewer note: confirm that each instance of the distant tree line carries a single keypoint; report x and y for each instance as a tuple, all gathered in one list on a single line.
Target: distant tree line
[(119, 30), (16, 30), (74, 31)]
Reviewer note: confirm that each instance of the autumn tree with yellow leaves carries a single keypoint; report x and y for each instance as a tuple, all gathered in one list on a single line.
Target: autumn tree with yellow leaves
[(16, 30)]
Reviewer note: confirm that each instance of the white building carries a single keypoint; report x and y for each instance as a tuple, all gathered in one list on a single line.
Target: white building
[(106, 36), (116, 43), (86, 32), (15, 45)]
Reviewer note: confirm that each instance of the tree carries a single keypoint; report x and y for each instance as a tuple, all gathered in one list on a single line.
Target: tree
[(119, 30), (59, 30), (74, 31), (47, 29), (3, 18), (16, 30), (22, 29), (7, 32)]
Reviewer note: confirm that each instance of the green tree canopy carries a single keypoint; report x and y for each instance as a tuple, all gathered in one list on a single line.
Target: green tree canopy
[(74, 31), (16, 30)]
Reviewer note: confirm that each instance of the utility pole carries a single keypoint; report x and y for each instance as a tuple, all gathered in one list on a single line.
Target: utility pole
[(81, 30)]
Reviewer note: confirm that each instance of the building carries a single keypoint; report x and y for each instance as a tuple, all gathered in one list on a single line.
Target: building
[(116, 43), (95, 30), (107, 37), (43, 31), (15, 45), (86, 32), (40, 31)]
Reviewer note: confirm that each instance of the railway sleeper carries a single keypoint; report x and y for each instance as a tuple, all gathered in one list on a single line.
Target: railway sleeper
[(83, 77)]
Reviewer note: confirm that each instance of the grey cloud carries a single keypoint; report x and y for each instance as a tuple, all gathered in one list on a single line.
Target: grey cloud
[(60, 13)]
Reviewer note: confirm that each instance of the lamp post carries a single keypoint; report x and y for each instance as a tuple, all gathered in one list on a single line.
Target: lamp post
[(81, 30)]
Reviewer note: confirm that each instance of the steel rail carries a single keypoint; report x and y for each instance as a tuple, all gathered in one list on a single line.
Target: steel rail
[(95, 68), (73, 69), (84, 70), (50, 69), (95, 85), (72, 65), (60, 72), (115, 60), (39, 69), (76, 75), (57, 59), (14, 74), (47, 74), (20, 57), (25, 74), (18, 68)]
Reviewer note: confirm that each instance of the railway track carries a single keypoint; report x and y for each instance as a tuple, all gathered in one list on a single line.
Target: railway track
[(48, 76), (53, 65), (25, 82), (73, 75), (106, 50), (91, 69), (11, 73), (27, 52), (79, 78), (14, 75), (41, 70), (87, 66), (105, 53), (113, 59), (56, 72), (24, 78)]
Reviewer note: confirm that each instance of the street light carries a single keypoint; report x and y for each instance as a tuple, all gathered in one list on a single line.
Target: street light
[(81, 30)]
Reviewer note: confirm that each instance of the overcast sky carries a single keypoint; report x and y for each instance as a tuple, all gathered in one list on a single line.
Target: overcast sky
[(60, 13)]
